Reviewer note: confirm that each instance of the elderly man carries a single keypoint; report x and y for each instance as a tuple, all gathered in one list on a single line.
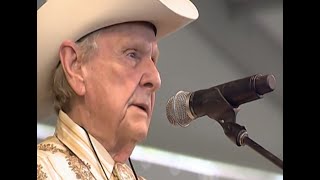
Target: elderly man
[(97, 68)]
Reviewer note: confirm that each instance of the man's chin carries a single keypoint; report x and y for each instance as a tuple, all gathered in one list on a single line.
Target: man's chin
[(141, 134), (138, 123)]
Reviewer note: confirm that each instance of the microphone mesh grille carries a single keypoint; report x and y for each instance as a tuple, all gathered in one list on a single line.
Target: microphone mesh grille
[(177, 109), (170, 111)]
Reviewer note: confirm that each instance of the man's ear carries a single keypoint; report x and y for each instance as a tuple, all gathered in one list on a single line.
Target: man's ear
[(71, 64)]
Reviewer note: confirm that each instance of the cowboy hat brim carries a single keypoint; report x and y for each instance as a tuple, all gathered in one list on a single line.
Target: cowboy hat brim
[(59, 20)]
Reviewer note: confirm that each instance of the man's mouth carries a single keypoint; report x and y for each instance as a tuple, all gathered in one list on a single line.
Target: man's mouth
[(143, 107)]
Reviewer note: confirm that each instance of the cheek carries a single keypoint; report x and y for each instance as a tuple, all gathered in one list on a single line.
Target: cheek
[(98, 91), (108, 98), (110, 87)]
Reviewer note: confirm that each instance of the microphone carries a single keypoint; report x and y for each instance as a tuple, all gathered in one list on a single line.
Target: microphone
[(217, 102)]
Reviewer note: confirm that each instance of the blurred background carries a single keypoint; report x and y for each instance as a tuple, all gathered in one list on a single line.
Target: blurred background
[(232, 39)]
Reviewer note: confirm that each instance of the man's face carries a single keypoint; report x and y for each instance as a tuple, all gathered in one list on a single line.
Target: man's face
[(120, 83)]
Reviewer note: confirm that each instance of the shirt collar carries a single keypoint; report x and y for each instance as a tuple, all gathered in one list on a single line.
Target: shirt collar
[(76, 139)]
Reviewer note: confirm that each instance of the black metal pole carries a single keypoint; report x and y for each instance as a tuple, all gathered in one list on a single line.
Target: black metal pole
[(239, 135), (262, 151)]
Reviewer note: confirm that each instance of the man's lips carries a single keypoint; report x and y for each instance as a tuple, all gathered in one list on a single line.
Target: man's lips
[(143, 107)]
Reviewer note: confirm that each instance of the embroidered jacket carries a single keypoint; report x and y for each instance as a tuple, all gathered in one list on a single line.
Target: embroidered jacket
[(68, 155)]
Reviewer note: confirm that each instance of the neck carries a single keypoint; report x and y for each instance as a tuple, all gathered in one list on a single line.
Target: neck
[(121, 154)]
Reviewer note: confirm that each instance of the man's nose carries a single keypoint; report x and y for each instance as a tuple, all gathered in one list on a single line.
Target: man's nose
[(151, 77)]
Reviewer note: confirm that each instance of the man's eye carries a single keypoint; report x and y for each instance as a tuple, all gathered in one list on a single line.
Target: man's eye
[(132, 54)]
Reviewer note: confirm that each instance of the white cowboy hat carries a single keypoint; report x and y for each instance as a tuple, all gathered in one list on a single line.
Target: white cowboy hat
[(58, 20)]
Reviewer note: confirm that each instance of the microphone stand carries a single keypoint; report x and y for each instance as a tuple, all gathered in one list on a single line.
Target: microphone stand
[(239, 135), (225, 114)]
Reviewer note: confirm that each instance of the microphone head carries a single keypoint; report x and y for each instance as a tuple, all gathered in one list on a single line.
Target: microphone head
[(177, 109)]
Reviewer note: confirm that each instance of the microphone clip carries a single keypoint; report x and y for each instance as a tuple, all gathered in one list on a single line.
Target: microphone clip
[(213, 104), (223, 112)]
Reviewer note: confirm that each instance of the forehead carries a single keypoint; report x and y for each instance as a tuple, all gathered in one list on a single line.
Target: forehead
[(138, 35)]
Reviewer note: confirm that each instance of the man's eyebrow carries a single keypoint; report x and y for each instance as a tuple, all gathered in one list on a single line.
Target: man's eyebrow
[(139, 45)]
